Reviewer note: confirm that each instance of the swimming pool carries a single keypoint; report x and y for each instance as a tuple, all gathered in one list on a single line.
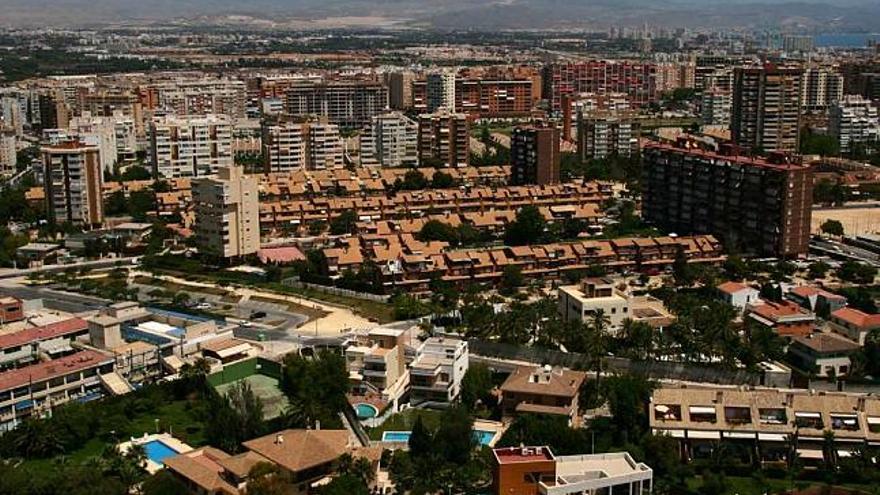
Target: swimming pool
[(483, 437), (396, 436), (366, 411), (157, 451)]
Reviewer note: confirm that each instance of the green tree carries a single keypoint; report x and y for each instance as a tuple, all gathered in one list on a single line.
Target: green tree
[(345, 223), (435, 230), (857, 273), (315, 388), (163, 483), (527, 228), (476, 386), (682, 272), (511, 280), (442, 180), (234, 418), (832, 227), (421, 441)]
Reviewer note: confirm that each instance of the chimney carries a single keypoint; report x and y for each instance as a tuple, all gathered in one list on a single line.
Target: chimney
[(279, 439)]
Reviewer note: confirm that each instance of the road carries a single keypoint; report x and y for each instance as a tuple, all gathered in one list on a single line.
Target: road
[(55, 299), (840, 251)]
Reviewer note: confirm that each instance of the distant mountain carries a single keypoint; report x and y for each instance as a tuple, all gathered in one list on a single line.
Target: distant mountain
[(477, 14)]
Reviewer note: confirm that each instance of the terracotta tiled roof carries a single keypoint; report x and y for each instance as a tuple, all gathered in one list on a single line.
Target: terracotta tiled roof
[(857, 318), (563, 383), (299, 450), (45, 332)]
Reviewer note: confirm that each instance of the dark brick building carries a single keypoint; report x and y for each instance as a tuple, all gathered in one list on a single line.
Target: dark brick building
[(756, 205)]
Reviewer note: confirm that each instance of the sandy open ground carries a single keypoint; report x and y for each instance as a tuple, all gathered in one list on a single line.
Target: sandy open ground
[(855, 220)]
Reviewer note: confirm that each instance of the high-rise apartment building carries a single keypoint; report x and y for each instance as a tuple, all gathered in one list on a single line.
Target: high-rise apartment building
[(715, 107), (854, 121), (767, 108), (636, 79), (292, 143), (603, 134), (444, 138), (820, 88), (227, 213), (115, 136), (485, 98), (198, 97), (8, 152), (534, 155), (72, 182), (391, 140), (792, 43), (190, 146), (400, 89), (346, 103), (440, 88), (756, 205)]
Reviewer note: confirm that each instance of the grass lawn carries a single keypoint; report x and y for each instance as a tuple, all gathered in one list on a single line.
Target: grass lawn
[(404, 422), (175, 287)]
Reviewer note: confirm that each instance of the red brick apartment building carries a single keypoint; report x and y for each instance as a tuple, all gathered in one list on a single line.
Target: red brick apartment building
[(760, 205), (636, 79)]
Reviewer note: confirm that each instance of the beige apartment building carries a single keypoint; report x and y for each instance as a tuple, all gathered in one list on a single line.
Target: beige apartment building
[(72, 183), (188, 146), (227, 220), (292, 143)]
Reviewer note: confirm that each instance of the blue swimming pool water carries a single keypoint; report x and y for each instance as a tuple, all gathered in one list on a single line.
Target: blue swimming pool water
[(396, 436), (157, 451), (481, 436), (365, 411)]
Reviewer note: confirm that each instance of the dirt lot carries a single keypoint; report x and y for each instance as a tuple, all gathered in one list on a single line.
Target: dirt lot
[(854, 220)]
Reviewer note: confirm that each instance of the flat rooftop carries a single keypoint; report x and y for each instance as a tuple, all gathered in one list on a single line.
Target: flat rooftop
[(509, 455)]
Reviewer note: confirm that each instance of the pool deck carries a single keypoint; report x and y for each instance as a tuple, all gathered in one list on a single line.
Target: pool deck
[(166, 438)]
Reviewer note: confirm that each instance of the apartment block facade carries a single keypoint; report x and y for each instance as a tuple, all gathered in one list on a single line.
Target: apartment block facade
[(348, 104), (854, 121), (444, 137), (72, 183), (758, 205), (636, 79), (227, 213), (440, 91), (534, 155), (391, 140), (604, 134), (767, 108), (190, 146), (821, 87)]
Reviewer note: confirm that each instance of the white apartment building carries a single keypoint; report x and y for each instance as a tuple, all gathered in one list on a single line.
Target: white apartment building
[(715, 105), (820, 87), (300, 144), (603, 134), (324, 150), (581, 302), (200, 96), (227, 213), (439, 367), (8, 152), (441, 91), (12, 113), (854, 120), (188, 146), (72, 182), (115, 133), (391, 140)]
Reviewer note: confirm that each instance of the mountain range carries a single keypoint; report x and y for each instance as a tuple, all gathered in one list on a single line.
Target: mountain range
[(819, 15)]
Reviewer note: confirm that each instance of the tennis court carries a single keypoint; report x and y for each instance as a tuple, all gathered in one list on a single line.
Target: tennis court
[(266, 388)]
